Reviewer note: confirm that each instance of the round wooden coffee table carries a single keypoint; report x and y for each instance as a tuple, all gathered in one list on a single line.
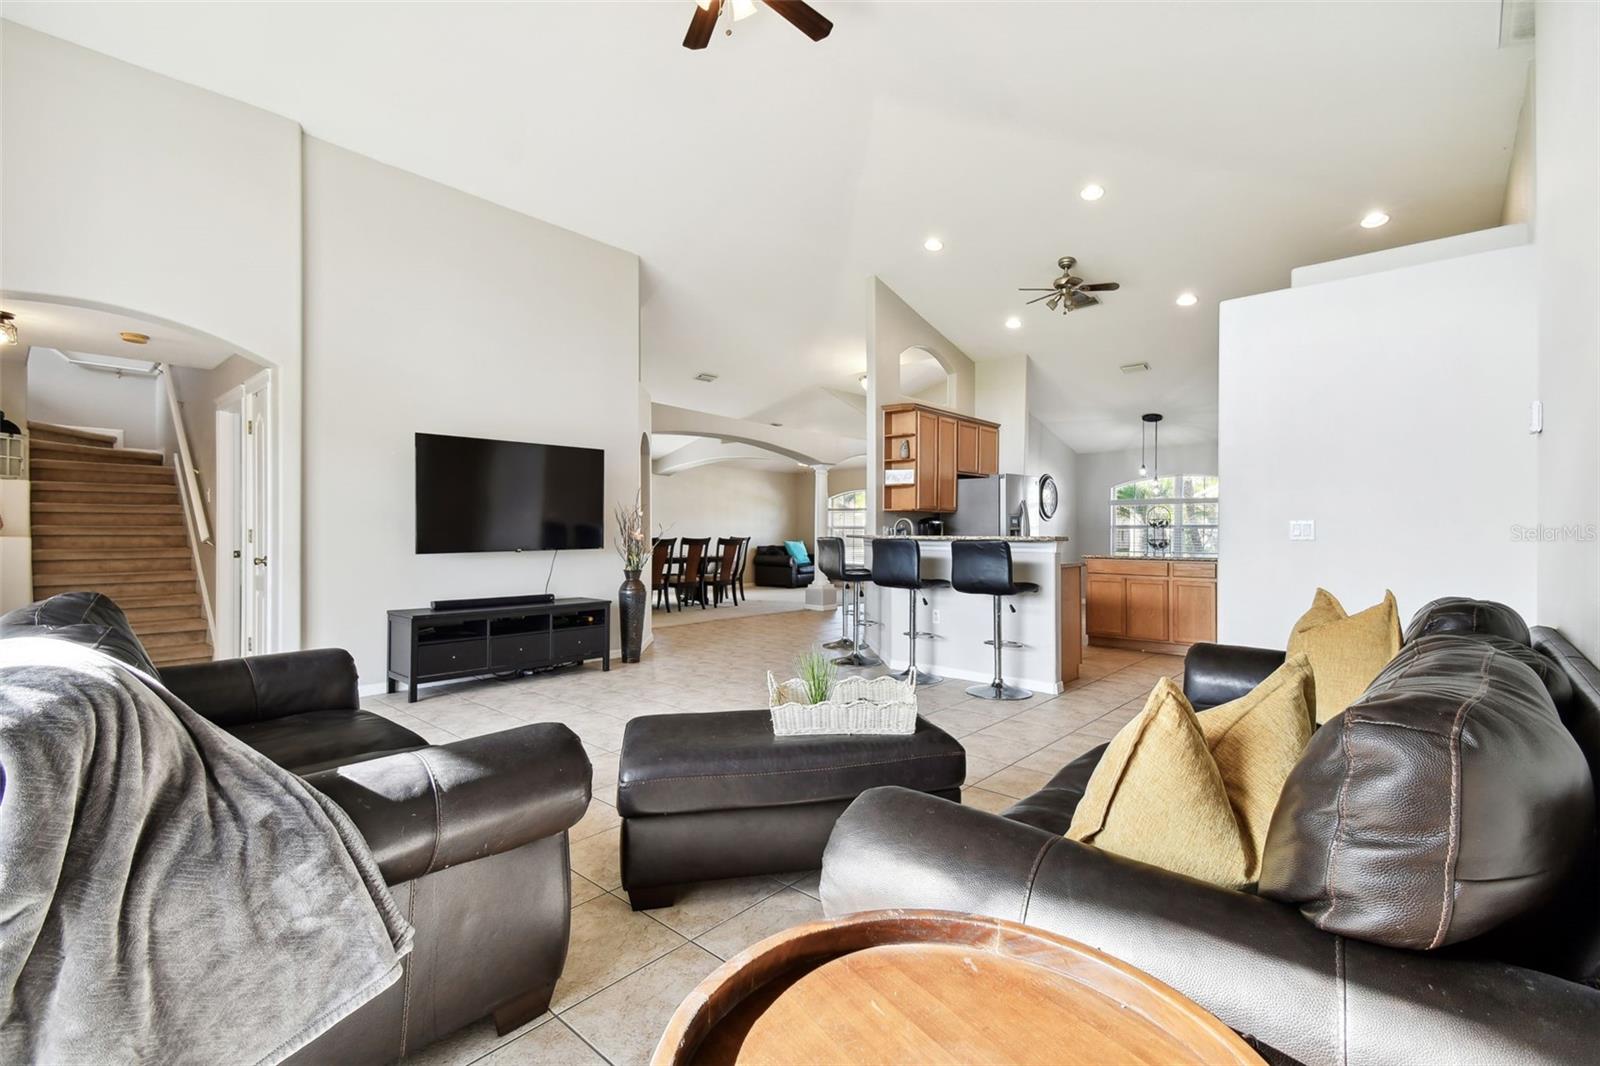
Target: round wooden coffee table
[(937, 987)]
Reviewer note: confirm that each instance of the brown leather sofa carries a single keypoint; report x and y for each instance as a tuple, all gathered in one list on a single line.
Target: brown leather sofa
[(471, 836), (1304, 984)]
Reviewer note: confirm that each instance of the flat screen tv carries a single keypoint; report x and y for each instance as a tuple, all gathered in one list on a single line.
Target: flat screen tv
[(477, 495)]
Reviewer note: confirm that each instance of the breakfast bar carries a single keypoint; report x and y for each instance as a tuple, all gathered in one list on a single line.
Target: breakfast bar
[(954, 626)]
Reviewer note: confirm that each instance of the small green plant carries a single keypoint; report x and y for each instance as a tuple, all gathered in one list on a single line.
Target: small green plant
[(816, 672)]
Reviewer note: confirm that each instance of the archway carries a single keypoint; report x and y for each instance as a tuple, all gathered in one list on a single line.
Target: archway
[(925, 377)]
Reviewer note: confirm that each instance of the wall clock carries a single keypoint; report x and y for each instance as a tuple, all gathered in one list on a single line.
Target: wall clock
[(1049, 497)]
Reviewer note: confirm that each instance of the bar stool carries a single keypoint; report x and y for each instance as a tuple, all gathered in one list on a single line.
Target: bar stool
[(897, 564), (830, 556), (983, 568)]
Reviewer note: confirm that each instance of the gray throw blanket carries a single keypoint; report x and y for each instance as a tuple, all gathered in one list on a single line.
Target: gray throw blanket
[(166, 893)]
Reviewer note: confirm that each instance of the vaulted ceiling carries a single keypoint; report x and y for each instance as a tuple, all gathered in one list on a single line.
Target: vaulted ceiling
[(764, 179)]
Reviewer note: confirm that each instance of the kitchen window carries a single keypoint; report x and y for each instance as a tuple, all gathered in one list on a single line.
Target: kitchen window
[(847, 518), (1180, 509)]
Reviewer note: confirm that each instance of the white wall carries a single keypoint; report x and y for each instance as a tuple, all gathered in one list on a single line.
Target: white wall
[(1099, 471), (1392, 410), (16, 539), (1001, 395), (1047, 454), (1567, 222), (127, 190), (429, 310), (72, 396), (721, 500)]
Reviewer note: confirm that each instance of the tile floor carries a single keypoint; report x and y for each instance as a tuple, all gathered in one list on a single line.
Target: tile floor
[(626, 972)]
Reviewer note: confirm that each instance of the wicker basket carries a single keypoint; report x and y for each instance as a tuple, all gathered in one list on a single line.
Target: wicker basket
[(857, 705)]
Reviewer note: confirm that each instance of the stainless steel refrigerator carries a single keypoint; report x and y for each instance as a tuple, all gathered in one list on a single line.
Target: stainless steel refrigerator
[(991, 507)]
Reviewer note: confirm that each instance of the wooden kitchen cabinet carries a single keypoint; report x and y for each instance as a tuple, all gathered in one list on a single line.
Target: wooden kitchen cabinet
[(967, 448), (1107, 605), (934, 448), (1194, 610), (1146, 599), (988, 450), (944, 471), (1150, 603)]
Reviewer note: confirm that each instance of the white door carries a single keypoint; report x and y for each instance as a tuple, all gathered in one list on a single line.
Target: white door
[(228, 532), (255, 512)]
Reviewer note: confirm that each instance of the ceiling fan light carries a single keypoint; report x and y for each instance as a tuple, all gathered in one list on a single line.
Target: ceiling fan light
[(743, 9), (1013, 322)]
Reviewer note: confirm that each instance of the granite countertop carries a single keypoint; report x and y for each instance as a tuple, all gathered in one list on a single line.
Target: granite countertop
[(917, 536), (1159, 557)]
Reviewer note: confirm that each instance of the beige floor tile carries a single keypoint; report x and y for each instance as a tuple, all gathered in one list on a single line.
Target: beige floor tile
[(599, 858), (1015, 781), (551, 1044), (609, 941), (810, 884), (979, 768), (1050, 760), (583, 889), (597, 819), (958, 723), (625, 1021), (701, 906), (1035, 735), (1102, 729), (470, 1043), (1004, 750), (605, 778), (984, 800), (772, 915)]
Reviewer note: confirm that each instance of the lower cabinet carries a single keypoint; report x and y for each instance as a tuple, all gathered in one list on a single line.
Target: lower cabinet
[(1148, 601)]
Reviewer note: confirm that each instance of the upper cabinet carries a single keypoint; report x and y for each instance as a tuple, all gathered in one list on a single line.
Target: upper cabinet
[(926, 449)]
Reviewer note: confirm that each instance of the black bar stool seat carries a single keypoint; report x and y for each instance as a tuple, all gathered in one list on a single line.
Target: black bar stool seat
[(897, 564), (983, 568), (830, 557)]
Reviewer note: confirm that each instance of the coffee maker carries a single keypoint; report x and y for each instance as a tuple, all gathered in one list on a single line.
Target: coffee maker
[(930, 527)]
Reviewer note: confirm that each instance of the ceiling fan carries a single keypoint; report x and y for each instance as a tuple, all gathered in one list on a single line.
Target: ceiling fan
[(802, 16), (1068, 292)]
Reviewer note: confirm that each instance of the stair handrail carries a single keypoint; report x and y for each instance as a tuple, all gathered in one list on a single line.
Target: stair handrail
[(194, 512), (191, 504)]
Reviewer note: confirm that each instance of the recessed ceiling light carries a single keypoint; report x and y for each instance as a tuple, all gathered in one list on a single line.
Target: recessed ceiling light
[(933, 244), (1186, 299), (1092, 192), (1013, 322), (135, 338), (1134, 368), (1374, 219), (706, 377)]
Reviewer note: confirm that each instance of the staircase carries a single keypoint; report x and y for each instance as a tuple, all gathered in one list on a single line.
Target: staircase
[(108, 519)]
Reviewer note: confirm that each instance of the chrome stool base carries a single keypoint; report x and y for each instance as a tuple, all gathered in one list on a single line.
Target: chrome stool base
[(924, 679), (999, 690), (862, 657)]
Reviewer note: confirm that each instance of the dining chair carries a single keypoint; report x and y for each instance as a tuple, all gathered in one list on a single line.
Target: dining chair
[(744, 556), (691, 576), (661, 571), (725, 577)]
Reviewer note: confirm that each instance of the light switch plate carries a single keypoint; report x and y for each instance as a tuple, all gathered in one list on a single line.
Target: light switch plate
[(1302, 529)]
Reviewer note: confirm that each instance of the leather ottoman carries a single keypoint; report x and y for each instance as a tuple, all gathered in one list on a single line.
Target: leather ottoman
[(714, 795)]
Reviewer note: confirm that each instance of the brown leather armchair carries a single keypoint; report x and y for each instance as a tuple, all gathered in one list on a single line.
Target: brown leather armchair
[(470, 836)]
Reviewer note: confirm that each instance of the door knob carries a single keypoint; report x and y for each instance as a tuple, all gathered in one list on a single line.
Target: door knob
[(261, 560)]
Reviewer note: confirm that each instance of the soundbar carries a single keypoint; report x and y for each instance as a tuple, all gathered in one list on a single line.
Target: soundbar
[(532, 600)]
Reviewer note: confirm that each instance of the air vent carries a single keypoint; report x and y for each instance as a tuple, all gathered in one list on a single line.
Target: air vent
[(1516, 22), (707, 378), (1134, 368)]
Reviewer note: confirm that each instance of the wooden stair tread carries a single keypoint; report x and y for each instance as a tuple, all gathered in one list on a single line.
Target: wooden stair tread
[(105, 440), (50, 507), (118, 473), (102, 487), (147, 603), (53, 529), (180, 624), (119, 589), (55, 555), (94, 453)]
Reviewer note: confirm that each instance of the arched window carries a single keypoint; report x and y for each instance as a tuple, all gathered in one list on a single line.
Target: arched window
[(1181, 509), (847, 518)]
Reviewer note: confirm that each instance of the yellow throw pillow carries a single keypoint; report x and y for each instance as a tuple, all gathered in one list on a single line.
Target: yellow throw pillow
[(1195, 794), (1346, 650), (1256, 740)]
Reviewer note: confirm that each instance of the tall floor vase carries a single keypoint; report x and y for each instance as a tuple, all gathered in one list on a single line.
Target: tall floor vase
[(633, 600)]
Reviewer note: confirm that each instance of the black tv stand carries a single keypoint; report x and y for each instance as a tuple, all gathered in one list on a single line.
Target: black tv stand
[(530, 600), (426, 644)]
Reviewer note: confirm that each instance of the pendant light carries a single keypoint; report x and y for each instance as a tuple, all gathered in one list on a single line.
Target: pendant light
[(1152, 469)]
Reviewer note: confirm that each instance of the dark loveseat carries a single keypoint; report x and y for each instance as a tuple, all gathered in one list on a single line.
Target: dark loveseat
[(1522, 993), (776, 568), (470, 836)]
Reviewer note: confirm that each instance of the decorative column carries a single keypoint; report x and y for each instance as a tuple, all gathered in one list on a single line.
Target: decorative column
[(820, 593)]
